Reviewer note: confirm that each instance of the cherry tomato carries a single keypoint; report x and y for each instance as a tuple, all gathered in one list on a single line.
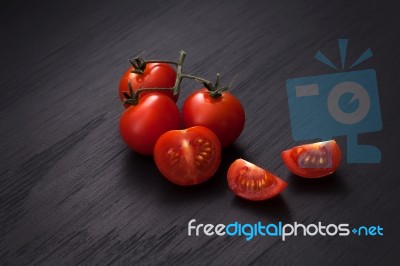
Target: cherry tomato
[(188, 157), (251, 182), (156, 75), (313, 160), (141, 125), (224, 115)]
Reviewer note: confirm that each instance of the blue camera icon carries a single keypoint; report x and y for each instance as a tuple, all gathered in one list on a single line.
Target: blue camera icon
[(343, 103)]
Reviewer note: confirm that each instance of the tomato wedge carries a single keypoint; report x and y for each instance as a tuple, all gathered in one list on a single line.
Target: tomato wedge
[(251, 182), (188, 157), (313, 160)]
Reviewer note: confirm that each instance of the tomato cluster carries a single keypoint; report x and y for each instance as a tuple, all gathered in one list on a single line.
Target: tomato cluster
[(187, 147), (186, 150)]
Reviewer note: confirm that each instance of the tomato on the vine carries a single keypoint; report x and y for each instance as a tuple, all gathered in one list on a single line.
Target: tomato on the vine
[(189, 156), (251, 182), (142, 124), (155, 75), (313, 160), (223, 114)]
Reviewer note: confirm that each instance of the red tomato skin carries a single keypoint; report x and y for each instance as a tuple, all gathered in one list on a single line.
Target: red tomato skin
[(224, 115), (141, 125), (240, 176), (156, 75), (176, 155), (290, 158)]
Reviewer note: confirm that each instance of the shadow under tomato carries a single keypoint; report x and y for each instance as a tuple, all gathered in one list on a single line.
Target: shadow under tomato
[(331, 184), (139, 169), (274, 209), (210, 189), (141, 173)]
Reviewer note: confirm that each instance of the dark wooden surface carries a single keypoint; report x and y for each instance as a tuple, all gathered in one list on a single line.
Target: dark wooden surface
[(72, 193)]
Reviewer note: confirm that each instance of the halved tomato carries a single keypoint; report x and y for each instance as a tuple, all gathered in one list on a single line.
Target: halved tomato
[(189, 156), (313, 160), (251, 182)]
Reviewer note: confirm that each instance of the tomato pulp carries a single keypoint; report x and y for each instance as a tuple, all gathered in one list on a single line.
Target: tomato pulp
[(313, 160), (251, 182), (188, 157)]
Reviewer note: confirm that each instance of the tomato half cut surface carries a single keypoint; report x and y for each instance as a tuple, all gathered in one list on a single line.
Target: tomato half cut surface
[(313, 160), (188, 157), (251, 182)]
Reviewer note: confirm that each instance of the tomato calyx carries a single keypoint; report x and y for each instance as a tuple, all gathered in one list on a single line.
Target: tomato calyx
[(132, 98), (217, 90), (139, 65)]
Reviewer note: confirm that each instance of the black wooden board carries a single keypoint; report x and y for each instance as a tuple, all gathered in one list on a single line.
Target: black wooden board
[(72, 193)]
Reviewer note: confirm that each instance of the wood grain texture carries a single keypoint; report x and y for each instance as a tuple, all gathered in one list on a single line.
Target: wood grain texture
[(72, 193)]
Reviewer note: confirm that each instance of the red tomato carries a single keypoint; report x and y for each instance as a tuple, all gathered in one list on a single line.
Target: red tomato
[(313, 160), (188, 157), (224, 115), (251, 182), (141, 125), (156, 75)]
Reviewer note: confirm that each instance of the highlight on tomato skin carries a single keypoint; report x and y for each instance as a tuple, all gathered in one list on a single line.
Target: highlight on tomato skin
[(313, 160), (141, 125), (252, 182), (189, 156), (156, 75), (223, 114)]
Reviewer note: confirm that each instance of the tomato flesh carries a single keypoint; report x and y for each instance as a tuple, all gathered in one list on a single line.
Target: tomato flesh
[(141, 125), (224, 115), (313, 160), (251, 182), (188, 157), (155, 75)]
